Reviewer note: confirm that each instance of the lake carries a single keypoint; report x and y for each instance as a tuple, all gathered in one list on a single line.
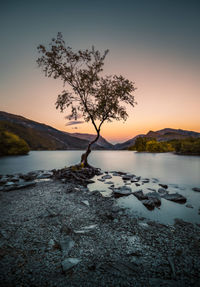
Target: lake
[(181, 173)]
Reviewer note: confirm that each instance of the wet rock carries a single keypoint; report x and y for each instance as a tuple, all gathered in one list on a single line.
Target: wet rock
[(127, 177), (176, 197), (162, 191), (101, 179), (189, 205), (45, 174), (107, 176), (151, 202), (109, 182), (15, 186), (152, 189), (140, 195), (122, 191), (69, 263), (197, 189), (163, 185)]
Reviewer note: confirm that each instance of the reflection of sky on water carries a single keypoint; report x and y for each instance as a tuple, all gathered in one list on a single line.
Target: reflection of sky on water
[(168, 210), (170, 169)]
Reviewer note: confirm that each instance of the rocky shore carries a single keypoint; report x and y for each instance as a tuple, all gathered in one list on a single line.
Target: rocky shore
[(55, 232)]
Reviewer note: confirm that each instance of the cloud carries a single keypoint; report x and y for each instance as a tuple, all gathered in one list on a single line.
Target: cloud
[(71, 123)]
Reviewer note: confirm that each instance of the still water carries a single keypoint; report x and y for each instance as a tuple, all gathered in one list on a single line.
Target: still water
[(181, 173)]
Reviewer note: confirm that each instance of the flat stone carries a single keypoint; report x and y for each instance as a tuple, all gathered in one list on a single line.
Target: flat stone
[(86, 202), (196, 189), (176, 197), (107, 176), (69, 263), (163, 185)]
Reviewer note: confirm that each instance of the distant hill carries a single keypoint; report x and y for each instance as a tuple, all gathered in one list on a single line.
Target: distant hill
[(43, 137), (126, 144), (161, 135), (89, 137)]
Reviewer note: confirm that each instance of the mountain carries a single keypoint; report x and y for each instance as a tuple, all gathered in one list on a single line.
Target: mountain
[(126, 144), (43, 137), (161, 135), (89, 137)]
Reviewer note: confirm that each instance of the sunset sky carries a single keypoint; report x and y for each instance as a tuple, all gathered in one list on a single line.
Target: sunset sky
[(155, 43)]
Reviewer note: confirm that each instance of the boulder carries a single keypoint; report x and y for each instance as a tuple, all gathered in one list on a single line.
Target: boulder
[(140, 195), (122, 191), (176, 197), (196, 189), (163, 185)]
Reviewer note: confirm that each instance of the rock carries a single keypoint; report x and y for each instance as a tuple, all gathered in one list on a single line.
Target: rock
[(162, 191), (189, 205), (69, 263), (20, 185), (163, 185), (122, 191), (85, 229), (127, 177), (3, 180), (107, 176), (100, 179), (86, 202), (196, 189), (137, 184), (140, 195), (66, 244), (146, 180), (152, 189), (109, 182), (176, 197), (45, 174), (151, 202)]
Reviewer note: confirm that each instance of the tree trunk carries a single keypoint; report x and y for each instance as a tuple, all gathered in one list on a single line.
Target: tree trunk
[(85, 155)]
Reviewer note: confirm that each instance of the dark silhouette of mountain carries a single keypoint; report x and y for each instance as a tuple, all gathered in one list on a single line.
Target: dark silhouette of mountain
[(126, 144), (161, 135), (89, 137), (43, 137)]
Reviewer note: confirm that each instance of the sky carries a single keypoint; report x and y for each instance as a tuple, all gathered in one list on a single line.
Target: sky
[(154, 43)]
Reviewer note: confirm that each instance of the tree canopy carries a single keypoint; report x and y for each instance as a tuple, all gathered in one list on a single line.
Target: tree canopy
[(87, 93)]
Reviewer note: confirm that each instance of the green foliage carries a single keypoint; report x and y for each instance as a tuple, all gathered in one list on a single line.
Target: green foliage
[(37, 140), (145, 144), (187, 146), (11, 144), (182, 146)]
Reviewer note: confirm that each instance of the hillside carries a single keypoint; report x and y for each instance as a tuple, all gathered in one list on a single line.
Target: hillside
[(43, 137), (101, 141), (166, 134)]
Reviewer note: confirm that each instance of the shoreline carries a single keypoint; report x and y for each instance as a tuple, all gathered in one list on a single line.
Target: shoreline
[(55, 234)]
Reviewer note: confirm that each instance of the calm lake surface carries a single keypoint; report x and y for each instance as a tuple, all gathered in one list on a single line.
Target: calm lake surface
[(181, 173)]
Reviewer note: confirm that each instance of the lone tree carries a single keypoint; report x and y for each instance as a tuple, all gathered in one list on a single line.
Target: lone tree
[(89, 95)]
